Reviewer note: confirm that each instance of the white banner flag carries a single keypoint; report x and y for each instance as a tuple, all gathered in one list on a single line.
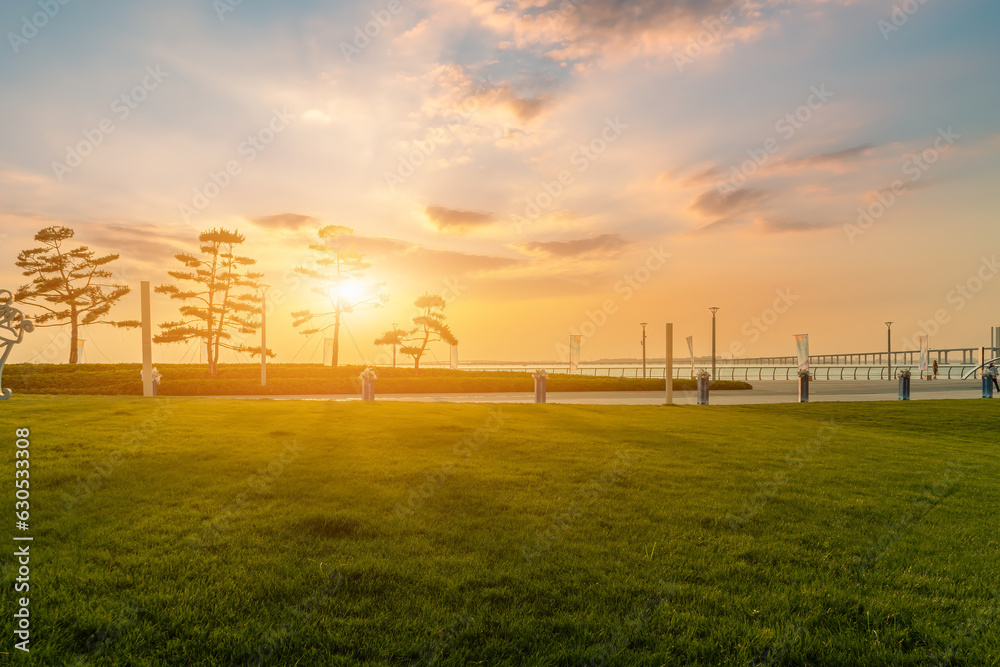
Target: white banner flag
[(79, 350), (802, 347), (690, 340), (574, 351), (454, 357), (923, 352), (327, 352)]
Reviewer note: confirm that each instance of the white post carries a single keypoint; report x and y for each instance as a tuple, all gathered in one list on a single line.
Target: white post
[(263, 335), (669, 372), (147, 341)]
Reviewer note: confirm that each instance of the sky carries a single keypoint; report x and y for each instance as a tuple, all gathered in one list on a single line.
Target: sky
[(550, 168)]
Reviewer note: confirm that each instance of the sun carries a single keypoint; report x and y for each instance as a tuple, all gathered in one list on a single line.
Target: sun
[(348, 290)]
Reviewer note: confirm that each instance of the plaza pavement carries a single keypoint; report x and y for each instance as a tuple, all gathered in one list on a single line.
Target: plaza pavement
[(774, 391)]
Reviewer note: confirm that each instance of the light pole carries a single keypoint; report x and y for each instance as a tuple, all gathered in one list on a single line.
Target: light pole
[(714, 309), (394, 325), (889, 348), (263, 335), (643, 325)]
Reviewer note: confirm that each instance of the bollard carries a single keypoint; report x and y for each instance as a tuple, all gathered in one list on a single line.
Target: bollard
[(803, 386), (904, 385), (541, 378), (367, 385), (703, 387), (987, 386)]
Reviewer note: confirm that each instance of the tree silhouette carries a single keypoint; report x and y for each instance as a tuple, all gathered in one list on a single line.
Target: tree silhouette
[(225, 298), (67, 285), (340, 266), (429, 328)]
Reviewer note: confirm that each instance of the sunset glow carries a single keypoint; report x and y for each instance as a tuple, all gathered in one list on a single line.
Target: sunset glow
[(809, 166)]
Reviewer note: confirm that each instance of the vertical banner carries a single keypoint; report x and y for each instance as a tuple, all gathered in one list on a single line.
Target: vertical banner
[(79, 350), (802, 348), (923, 352), (690, 340), (328, 352), (454, 357), (574, 351)]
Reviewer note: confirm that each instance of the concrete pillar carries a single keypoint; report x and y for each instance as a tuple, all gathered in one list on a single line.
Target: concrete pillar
[(147, 341)]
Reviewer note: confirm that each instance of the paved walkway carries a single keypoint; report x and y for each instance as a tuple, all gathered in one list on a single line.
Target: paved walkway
[(779, 391)]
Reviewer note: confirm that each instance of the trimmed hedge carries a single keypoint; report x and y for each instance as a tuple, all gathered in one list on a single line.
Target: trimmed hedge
[(305, 379)]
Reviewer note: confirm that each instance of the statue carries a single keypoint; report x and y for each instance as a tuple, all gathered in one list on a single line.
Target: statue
[(13, 324)]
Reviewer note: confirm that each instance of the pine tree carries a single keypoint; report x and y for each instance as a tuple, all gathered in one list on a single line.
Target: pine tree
[(339, 268), (224, 300), (67, 285), (429, 328)]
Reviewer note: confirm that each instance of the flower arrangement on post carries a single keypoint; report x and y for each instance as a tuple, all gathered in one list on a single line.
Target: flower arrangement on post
[(367, 384), (156, 378), (804, 373), (540, 380), (905, 373)]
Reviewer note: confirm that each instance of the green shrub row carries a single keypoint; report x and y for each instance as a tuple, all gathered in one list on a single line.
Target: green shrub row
[(305, 379)]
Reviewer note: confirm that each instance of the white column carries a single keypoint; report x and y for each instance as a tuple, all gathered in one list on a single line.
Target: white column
[(670, 363), (147, 342)]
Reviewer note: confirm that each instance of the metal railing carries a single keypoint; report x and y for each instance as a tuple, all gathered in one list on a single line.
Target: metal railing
[(744, 373)]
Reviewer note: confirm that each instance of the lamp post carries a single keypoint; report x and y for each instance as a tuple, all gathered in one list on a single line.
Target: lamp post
[(643, 325), (889, 348), (714, 309), (263, 335), (394, 325)]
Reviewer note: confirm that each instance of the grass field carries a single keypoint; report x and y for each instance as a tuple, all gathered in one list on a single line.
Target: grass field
[(182, 531), (297, 379)]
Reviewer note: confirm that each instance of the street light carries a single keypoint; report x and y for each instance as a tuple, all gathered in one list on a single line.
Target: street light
[(889, 347), (263, 335), (714, 309), (643, 325), (394, 325)]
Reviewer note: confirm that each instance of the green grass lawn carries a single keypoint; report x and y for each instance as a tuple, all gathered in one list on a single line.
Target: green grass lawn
[(182, 531)]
